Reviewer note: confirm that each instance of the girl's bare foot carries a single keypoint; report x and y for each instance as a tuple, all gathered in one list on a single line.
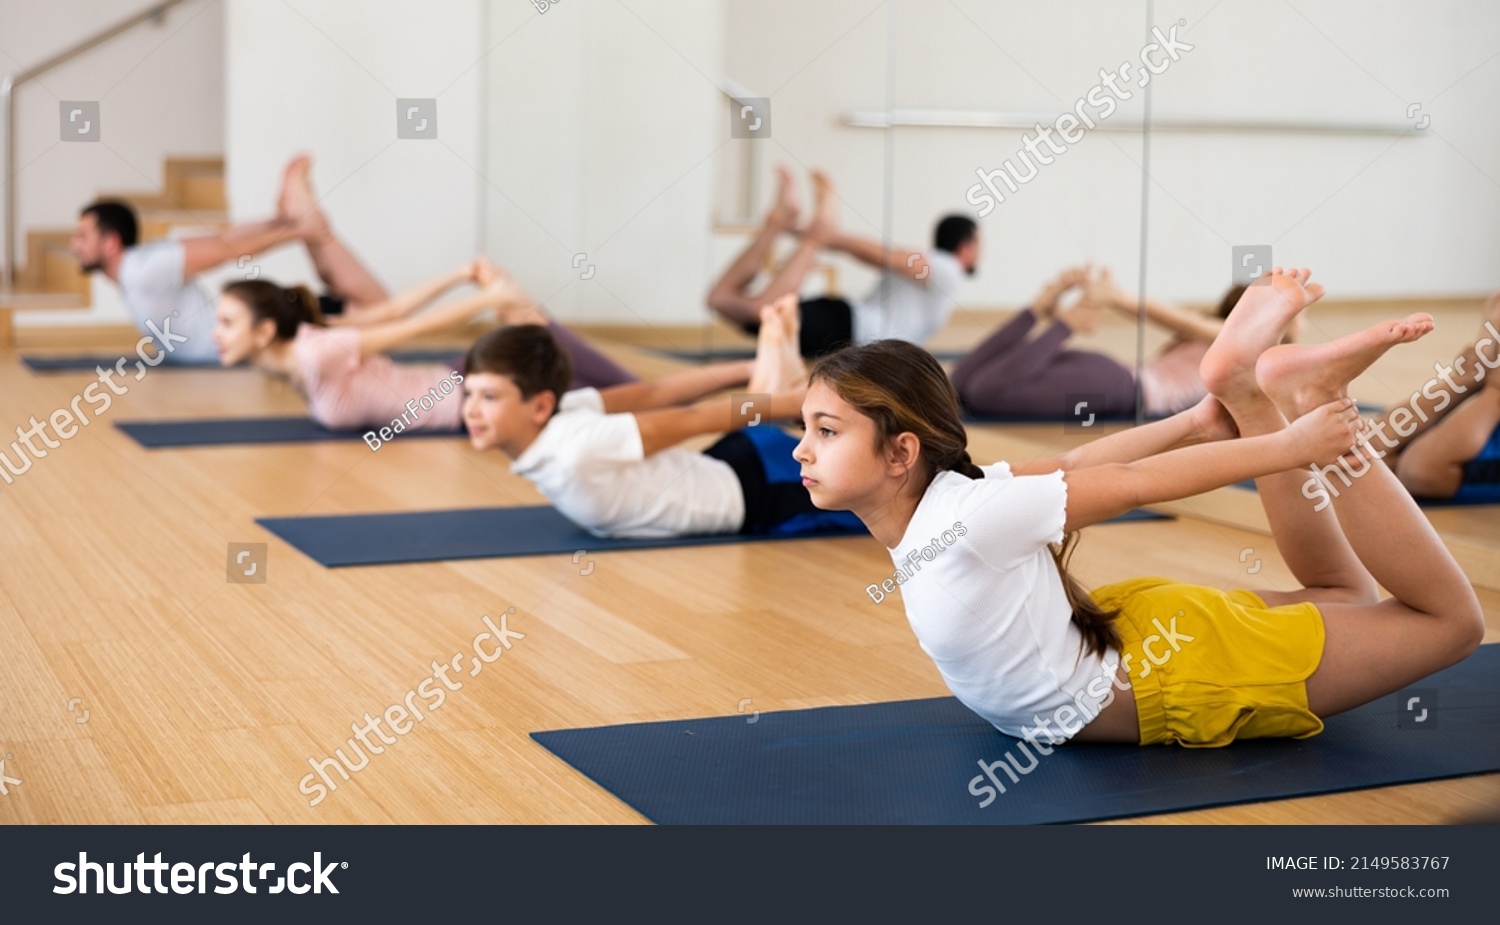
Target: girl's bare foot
[(1082, 316), (785, 210), (1300, 377), (1256, 324)]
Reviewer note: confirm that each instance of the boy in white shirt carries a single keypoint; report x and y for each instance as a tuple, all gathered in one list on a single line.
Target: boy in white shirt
[(609, 459)]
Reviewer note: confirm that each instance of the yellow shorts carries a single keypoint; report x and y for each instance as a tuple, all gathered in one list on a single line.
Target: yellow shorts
[(1209, 666)]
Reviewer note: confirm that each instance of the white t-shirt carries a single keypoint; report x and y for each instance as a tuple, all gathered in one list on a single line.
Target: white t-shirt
[(593, 468), (902, 308), (989, 606), (152, 285)]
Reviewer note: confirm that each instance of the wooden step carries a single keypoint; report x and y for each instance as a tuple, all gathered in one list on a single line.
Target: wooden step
[(50, 265), (188, 183)]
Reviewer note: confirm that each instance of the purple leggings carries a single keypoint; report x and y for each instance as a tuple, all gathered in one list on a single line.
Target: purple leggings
[(1008, 376), (591, 369)]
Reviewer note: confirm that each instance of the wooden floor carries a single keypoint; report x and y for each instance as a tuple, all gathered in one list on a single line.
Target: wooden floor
[(140, 686)]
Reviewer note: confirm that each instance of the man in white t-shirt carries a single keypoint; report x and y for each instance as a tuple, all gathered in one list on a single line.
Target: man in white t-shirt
[(913, 299), (158, 280)]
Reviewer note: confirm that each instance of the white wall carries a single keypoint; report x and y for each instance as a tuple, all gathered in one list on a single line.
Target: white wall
[(1375, 216), (324, 77), (604, 123), (596, 128), (160, 90)]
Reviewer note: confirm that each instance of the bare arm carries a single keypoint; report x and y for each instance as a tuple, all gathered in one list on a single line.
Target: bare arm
[(1125, 446), (208, 251), (1100, 492), (676, 389), (382, 337), (1185, 324), (912, 264), (404, 304), (668, 427)]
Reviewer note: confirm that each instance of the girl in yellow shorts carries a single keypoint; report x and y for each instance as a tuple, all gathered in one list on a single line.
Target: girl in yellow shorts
[(980, 552)]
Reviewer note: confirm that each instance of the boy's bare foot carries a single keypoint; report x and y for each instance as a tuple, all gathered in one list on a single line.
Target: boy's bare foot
[(766, 371), (1301, 377), (785, 210), (824, 225), (793, 367), (1256, 324)]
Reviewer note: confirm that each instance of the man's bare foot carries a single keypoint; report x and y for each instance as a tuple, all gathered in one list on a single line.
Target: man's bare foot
[(785, 210), (825, 223), (299, 203), (1301, 377), (1256, 324), (297, 166)]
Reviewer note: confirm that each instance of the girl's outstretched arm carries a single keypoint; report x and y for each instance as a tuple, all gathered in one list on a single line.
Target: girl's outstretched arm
[(677, 388), (382, 337), (1100, 492), (1204, 422), (406, 303)]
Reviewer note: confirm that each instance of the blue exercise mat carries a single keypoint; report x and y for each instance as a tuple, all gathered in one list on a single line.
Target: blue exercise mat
[(913, 762), (42, 363), (482, 533), (237, 431)]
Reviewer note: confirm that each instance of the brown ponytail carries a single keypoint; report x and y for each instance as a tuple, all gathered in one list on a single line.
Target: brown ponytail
[(903, 389), (290, 308)]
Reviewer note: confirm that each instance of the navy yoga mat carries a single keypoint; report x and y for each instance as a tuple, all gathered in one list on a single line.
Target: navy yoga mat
[(42, 363), (915, 761), (478, 533), (236, 431), (1468, 495)]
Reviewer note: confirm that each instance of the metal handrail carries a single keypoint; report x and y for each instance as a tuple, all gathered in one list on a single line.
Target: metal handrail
[(8, 85), (1025, 121)]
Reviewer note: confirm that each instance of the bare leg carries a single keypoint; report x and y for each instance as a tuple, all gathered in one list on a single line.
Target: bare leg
[(1464, 380), (730, 295), (1432, 466), (1310, 542), (341, 271), (1433, 618)]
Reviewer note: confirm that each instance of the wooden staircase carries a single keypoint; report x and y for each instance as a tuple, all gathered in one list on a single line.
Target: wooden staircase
[(191, 200)]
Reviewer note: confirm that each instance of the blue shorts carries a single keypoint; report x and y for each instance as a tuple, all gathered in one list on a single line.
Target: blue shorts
[(1481, 482), (776, 503)]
